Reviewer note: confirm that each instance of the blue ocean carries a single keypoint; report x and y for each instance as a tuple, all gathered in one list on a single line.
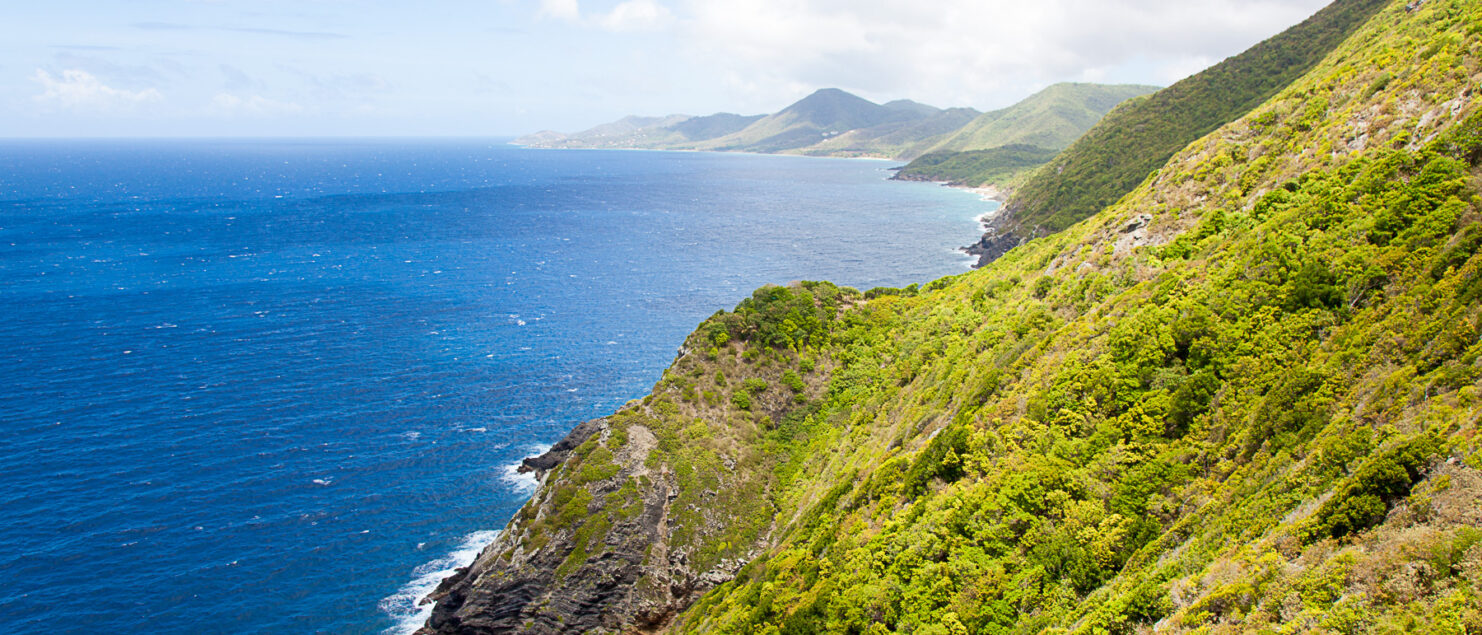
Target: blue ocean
[(280, 386)]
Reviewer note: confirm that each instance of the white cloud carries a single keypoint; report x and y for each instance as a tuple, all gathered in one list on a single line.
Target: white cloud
[(635, 15), (80, 90), (970, 52), (629, 15), (252, 105), (560, 9)]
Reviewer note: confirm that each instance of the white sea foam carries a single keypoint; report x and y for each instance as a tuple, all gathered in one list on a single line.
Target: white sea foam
[(403, 606), (522, 483)]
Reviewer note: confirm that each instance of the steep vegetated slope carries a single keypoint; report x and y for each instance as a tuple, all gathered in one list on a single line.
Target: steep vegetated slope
[(670, 495), (1244, 397), (1139, 136)]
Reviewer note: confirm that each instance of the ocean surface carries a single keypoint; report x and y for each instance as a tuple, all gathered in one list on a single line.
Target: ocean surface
[(280, 386)]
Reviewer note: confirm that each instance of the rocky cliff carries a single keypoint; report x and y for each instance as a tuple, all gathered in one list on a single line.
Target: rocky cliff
[(1243, 398), (639, 514)]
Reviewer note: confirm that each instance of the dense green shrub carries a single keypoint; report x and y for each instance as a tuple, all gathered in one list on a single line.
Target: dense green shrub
[(741, 399), (793, 382), (781, 317), (1365, 497)]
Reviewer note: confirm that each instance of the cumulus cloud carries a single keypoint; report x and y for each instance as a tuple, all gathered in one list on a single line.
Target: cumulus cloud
[(635, 15), (629, 15), (79, 90), (560, 9), (964, 52)]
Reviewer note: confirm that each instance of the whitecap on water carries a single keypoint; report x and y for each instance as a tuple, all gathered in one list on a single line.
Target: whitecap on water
[(403, 606)]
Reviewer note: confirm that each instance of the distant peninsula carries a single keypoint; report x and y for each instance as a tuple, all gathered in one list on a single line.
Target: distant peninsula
[(832, 122)]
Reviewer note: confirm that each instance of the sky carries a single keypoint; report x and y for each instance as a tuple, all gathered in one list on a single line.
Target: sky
[(165, 68)]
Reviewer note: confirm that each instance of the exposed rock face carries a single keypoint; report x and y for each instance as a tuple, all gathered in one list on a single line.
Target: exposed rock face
[(1134, 234), (561, 449), (640, 513), (992, 245), (1000, 234), (512, 588)]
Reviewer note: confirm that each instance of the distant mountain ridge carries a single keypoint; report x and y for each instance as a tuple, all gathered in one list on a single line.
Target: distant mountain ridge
[(833, 122), (1002, 146), (1052, 118), (826, 113)]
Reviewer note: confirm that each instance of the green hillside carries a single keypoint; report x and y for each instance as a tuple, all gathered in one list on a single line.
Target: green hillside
[(1048, 121), (900, 140), (1119, 152), (999, 146), (1052, 118), (824, 114), (1242, 398), (999, 166), (712, 126)]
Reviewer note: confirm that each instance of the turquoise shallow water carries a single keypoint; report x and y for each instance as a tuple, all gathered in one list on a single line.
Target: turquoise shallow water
[(277, 386)]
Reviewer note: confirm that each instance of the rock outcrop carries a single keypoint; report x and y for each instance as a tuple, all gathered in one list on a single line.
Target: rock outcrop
[(640, 513), (518, 586)]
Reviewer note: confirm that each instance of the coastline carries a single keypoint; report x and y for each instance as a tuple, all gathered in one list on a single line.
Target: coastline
[(438, 604), (457, 583), (985, 249), (988, 192)]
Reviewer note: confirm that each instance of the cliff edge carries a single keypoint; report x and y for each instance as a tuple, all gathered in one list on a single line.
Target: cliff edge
[(1243, 397)]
